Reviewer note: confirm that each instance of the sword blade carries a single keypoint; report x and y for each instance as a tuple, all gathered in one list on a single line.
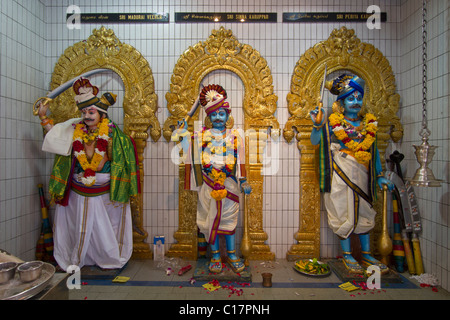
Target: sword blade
[(56, 92), (323, 83)]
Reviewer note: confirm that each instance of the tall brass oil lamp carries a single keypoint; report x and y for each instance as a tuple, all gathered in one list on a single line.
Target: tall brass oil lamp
[(424, 152)]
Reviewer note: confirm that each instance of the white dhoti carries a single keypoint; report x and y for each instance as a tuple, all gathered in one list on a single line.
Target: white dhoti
[(347, 211), (217, 217), (93, 231)]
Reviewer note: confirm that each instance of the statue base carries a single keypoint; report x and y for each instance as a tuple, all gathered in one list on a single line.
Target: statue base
[(94, 272), (202, 273), (341, 271)]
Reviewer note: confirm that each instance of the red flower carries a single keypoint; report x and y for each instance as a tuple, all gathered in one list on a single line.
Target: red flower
[(346, 140), (77, 146), (89, 173), (102, 144)]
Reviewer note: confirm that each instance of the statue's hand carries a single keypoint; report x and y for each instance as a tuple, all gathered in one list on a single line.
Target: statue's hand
[(387, 182), (181, 131), (246, 187), (314, 116), (182, 124), (42, 107)]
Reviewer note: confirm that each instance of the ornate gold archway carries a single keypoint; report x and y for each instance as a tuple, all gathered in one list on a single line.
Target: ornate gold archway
[(104, 50), (341, 51), (222, 51)]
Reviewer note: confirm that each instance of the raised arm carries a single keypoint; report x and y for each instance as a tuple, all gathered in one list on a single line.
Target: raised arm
[(315, 133)]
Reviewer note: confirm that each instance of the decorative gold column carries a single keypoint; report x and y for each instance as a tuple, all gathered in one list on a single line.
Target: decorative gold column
[(255, 144), (308, 234)]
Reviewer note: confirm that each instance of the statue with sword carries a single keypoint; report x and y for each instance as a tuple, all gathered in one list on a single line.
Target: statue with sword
[(94, 175), (350, 167), (215, 168)]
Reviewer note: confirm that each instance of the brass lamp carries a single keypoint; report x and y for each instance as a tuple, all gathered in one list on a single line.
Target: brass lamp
[(424, 177)]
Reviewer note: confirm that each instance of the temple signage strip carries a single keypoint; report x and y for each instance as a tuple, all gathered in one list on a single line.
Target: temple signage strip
[(202, 17), (329, 16), (242, 17), (123, 17)]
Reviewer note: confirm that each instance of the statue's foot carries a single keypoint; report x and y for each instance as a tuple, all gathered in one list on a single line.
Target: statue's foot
[(351, 264), (215, 265), (368, 260), (235, 263)]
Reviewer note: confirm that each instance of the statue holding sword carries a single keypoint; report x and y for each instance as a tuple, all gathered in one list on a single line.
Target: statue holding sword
[(95, 173), (350, 167), (215, 168)]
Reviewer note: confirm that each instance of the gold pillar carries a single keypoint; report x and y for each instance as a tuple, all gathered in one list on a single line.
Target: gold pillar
[(255, 144), (308, 234)]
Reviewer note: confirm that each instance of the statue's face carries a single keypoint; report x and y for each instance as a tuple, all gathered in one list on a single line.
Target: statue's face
[(219, 118), (353, 103), (91, 116)]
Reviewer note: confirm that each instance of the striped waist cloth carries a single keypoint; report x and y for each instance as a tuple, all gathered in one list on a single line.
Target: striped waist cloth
[(92, 191)]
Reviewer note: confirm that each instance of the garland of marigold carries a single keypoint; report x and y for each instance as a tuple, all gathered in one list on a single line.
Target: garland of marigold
[(218, 175), (81, 135), (369, 129)]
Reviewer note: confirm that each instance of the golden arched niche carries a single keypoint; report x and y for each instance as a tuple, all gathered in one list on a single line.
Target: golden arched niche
[(222, 51), (341, 51), (104, 50)]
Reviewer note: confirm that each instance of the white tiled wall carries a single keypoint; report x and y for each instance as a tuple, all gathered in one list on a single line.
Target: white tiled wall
[(433, 202), (32, 43), (22, 164)]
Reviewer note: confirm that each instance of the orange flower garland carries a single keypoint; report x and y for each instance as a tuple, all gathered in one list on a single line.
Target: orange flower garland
[(80, 135), (369, 129)]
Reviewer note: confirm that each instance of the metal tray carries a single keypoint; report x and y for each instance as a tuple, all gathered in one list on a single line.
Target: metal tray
[(15, 289)]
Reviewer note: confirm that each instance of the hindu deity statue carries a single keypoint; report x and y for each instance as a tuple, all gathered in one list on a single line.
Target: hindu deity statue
[(215, 168), (94, 174), (350, 168)]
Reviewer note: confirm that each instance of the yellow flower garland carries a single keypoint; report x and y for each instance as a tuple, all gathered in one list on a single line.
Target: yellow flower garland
[(368, 131), (218, 176), (80, 136)]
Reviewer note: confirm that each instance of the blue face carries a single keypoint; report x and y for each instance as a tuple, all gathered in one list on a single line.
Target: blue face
[(219, 118), (353, 104)]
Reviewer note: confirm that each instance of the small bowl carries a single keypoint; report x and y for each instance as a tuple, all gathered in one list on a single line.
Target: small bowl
[(7, 271), (30, 271)]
